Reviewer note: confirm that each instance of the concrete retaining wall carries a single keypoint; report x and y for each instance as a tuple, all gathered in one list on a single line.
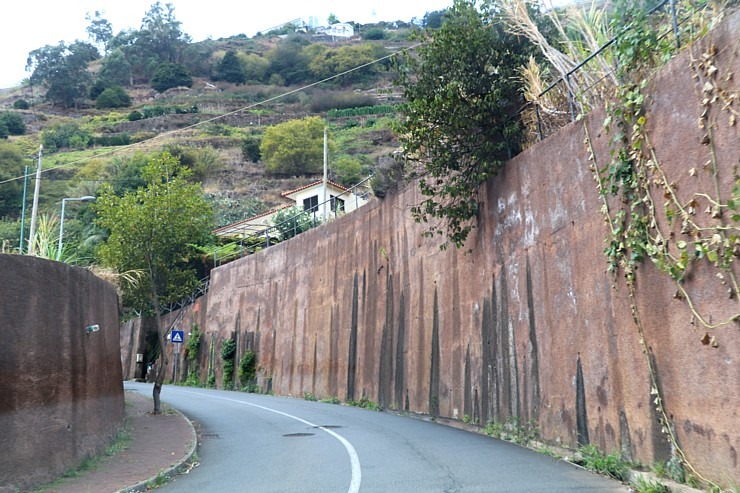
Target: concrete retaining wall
[(527, 323), (61, 392)]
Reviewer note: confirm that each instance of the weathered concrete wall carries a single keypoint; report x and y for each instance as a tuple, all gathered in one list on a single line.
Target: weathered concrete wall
[(61, 392), (527, 323)]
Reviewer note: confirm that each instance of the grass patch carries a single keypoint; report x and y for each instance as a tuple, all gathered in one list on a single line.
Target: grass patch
[(610, 465), (331, 400), (642, 485)]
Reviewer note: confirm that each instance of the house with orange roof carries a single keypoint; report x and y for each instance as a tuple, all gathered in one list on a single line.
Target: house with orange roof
[(325, 203)]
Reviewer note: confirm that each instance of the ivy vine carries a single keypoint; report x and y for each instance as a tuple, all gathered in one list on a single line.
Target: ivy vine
[(646, 216)]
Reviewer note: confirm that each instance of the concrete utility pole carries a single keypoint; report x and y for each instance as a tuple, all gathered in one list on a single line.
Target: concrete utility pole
[(34, 210), (326, 169)]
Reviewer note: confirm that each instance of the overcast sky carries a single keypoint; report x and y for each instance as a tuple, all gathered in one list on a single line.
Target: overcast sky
[(26, 25)]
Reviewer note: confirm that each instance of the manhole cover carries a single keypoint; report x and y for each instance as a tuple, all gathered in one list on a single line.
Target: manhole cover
[(294, 435)]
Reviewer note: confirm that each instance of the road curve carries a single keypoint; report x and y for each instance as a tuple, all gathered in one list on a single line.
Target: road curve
[(265, 444)]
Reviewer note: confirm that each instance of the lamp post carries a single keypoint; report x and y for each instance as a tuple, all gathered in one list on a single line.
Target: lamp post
[(86, 198)]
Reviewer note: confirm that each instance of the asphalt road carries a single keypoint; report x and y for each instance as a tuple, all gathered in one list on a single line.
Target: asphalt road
[(258, 443)]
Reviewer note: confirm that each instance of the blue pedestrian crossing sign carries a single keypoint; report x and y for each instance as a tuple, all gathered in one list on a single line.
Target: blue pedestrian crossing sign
[(177, 336)]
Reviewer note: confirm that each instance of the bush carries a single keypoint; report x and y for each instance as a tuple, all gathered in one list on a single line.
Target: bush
[(14, 122), (374, 33), (228, 352), (21, 104), (98, 88), (4, 131), (113, 97), (168, 75), (326, 100), (61, 135), (122, 139), (251, 149), (247, 369), (135, 116)]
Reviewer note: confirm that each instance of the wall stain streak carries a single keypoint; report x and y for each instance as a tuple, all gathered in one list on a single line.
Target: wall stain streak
[(352, 351), (385, 368), (434, 369), (399, 378), (533, 404), (581, 416)]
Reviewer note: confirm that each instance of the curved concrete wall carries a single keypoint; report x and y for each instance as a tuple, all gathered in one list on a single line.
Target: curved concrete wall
[(61, 392), (527, 323)]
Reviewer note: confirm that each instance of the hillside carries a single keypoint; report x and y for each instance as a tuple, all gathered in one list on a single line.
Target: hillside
[(209, 123)]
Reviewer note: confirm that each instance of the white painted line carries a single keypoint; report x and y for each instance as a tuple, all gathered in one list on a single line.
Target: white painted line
[(354, 485)]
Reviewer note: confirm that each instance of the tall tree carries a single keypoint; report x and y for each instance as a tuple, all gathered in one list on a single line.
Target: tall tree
[(462, 90), (99, 31), (230, 70), (294, 147), (151, 230), (63, 70), (161, 33)]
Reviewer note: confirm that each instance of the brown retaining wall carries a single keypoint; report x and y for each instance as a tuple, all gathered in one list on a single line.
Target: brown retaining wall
[(527, 323), (61, 392)]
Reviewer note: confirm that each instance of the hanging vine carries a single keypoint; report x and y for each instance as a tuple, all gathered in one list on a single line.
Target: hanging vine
[(647, 218)]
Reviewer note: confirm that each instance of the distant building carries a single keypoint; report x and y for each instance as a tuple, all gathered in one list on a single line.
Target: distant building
[(340, 30), (339, 200)]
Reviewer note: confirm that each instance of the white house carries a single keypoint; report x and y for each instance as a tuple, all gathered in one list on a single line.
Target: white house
[(340, 30), (326, 203)]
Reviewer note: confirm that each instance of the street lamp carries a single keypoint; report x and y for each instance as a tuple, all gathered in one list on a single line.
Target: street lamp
[(86, 198)]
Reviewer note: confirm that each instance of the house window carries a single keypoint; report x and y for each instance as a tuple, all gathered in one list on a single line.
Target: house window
[(311, 203), (337, 204)]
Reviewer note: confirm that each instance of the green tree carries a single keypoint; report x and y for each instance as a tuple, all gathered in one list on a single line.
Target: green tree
[(150, 231), (14, 122), (11, 192), (288, 60), (295, 147), (462, 91), (169, 75), (332, 19), (161, 34), (230, 70), (251, 149), (62, 69), (113, 97), (254, 67), (116, 68), (99, 31)]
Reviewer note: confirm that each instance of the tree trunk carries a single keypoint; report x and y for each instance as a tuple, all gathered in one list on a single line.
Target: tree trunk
[(162, 366)]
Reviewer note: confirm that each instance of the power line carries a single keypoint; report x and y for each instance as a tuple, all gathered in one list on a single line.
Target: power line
[(219, 117)]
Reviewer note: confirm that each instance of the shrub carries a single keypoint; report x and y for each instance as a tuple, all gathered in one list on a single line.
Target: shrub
[(122, 139), (168, 75), (374, 33), (247, 369), (67, 134), (21, 104), (113, 97), (135, 116), (14, 122), (228, 352), (251, 149)]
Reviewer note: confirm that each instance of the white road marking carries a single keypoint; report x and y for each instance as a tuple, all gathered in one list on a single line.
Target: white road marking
[(354, 485)]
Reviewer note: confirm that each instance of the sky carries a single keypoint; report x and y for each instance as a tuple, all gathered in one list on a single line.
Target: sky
[(26, 25)]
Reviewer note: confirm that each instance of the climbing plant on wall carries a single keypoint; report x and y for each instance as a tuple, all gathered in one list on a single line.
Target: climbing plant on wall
[(648, 218)]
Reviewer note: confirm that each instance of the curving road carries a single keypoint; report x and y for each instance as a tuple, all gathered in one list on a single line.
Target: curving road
[(258, 443)]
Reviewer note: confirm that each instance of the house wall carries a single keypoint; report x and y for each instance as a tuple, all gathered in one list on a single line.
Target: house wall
[(525, 321), (61, 392)]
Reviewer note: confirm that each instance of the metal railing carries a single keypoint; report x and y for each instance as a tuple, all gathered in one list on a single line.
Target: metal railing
[(271, 235), (566, 78)]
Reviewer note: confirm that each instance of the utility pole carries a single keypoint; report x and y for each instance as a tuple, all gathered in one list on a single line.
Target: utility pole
[(326, 168), (34, 210), (23, 209)]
